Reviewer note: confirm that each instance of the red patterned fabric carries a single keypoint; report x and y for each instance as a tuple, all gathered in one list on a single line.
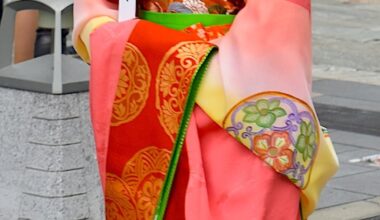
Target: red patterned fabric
[(145, 122)]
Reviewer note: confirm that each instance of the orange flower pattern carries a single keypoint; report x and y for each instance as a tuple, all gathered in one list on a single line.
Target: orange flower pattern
[(275, 149)]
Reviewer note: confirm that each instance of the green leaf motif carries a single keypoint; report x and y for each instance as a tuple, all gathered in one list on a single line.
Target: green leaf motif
[(274, 104), (310, 151), (293, 180), (312, 139), (262, 104), (278, 112), (266, 121), (301, 143), (251, 118), (304, 155), (303, 128), (305, 143), (309, 129), (250, 109)]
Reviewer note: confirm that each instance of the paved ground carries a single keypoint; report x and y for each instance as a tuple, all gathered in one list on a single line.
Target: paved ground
[(346, 39)]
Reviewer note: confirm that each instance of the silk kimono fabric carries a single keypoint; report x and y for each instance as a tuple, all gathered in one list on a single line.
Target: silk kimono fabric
[(252, 147)]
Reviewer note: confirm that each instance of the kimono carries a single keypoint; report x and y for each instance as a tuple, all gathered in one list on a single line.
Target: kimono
[(211, 119)]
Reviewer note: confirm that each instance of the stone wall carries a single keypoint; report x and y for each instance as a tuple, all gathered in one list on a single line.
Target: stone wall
[(47, 157)]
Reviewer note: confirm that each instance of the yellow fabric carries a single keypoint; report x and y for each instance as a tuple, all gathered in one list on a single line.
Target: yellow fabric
[(325, 166), (211, 86), (83, 44)]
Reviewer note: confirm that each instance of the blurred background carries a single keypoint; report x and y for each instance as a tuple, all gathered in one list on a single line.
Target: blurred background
[(55, 177), (346, 75)]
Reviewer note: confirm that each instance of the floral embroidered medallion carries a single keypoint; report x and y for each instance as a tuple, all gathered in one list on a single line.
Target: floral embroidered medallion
[(135, 194), (280, 129), (133, 87), (174, 77)]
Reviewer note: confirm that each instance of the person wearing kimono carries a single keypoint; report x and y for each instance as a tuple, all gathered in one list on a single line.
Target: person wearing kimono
[(204, 114)]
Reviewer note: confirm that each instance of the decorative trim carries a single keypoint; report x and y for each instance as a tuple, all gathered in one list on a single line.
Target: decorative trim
[(179, 142)]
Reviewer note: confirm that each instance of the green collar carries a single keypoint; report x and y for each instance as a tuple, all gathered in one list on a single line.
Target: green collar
[(180, 21)]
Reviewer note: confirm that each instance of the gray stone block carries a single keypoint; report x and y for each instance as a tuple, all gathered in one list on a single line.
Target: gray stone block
[(12, 157), (9, 203), (69, 208), (7, 214), (57, 158), (365, 183), (88, 136), (10, 179), (55, 132), (332, 197), (55, 107), (14, 124), (94, 192), (96, 204), (61, 125), (54, 184)]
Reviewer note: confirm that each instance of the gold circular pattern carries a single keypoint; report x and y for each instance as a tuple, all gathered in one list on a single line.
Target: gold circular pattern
[(134, 196), (118, 198), (174, 80), (133, 88)]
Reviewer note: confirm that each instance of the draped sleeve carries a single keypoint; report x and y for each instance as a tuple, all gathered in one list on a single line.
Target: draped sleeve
[(268, 51)]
